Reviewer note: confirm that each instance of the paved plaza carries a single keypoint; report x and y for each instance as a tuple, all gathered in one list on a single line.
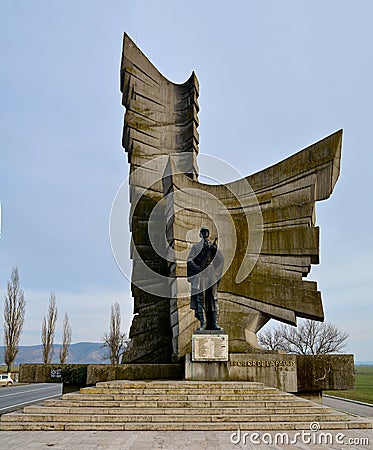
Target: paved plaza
[(174, 440)]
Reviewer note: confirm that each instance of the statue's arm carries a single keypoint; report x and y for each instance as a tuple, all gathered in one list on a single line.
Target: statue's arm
[(193, 268)]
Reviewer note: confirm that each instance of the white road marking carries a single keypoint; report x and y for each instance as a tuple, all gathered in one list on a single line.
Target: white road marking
[(25, 392)]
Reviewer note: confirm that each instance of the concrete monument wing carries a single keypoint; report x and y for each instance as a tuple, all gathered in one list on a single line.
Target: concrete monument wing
[(264, 224)]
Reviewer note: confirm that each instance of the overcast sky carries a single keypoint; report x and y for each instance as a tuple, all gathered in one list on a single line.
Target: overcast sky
[(275, 77)]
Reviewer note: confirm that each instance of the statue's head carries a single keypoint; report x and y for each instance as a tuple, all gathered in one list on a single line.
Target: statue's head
[(204, 232)]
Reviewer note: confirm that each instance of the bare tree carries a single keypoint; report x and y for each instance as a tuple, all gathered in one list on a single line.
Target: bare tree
[(115, 340), (14, 317), (48, 329), (273, 339), (66, 339), (308, 338)]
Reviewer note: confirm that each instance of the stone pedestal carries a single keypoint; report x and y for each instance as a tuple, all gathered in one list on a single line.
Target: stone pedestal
[(206, 370)]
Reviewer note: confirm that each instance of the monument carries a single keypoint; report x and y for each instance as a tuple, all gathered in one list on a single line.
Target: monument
[(263, 228), (211, 265)]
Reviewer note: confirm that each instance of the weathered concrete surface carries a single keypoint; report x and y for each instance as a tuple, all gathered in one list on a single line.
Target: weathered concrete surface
[(325, 372), (276, 370), (306, 375), (287, 242), (205, 371), (265, 223), (161, 119)]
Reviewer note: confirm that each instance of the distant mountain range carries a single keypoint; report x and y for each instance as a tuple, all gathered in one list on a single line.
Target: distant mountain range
[(79, 353)]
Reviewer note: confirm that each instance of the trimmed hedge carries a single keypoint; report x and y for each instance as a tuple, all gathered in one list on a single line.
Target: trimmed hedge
[(69, 374), (79, 375)]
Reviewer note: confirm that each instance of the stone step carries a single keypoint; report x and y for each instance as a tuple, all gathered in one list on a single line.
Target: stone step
[(173, 411), (180, 426), (170, 397), (125, 384), (297, 403), (177, 391), (158, 406), (86, 418)]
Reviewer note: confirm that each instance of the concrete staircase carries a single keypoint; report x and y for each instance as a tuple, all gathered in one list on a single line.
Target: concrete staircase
[(178, 405)]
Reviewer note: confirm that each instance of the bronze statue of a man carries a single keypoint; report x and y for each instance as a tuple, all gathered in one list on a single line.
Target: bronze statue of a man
[(204, 269)]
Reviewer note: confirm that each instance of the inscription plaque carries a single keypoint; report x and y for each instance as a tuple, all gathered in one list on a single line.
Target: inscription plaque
[(211, 347), (276, 370)]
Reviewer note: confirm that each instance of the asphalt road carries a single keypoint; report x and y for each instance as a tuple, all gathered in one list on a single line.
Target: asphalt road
[(16, 397), (346, 406)]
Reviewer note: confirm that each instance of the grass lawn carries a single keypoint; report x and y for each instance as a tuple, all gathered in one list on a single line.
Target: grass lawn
[(14, 369), (364, 386)]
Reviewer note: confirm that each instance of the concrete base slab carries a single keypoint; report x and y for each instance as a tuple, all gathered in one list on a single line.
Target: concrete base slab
[(177, 440), (206, 370)]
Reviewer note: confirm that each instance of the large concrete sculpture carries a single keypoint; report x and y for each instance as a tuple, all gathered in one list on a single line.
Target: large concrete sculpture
[(265, 223)]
